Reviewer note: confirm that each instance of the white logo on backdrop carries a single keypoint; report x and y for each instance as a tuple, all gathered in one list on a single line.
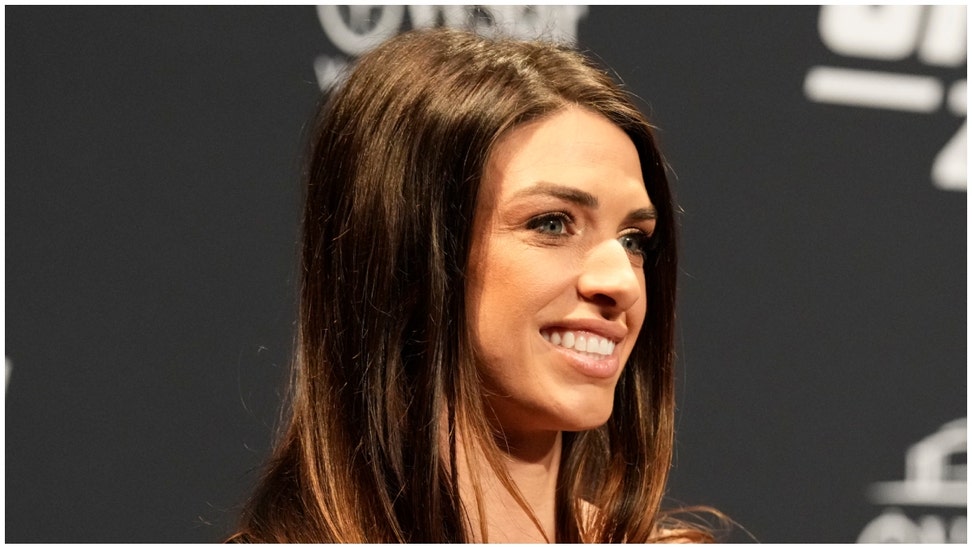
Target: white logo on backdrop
[(357, 28), (935, 477), (935, 34)]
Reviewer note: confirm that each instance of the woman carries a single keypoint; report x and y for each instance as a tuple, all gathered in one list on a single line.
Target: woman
[(485, 336)]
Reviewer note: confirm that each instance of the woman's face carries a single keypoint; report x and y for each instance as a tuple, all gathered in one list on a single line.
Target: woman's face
[(556, 288)]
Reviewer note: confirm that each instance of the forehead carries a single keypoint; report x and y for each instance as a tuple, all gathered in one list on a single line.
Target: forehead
[(575, 147)]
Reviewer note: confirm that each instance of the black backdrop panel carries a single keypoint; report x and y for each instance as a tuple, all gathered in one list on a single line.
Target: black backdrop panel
[(152, 160)]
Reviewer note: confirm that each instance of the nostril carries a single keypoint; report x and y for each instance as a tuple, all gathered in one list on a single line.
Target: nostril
[(603, 300)]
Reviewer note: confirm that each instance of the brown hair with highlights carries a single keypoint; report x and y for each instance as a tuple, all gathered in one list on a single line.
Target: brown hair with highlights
[(383, 374)]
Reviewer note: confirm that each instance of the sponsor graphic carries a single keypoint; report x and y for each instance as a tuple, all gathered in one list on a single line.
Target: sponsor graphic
[(934, 489), (884, 36), (357, 28)]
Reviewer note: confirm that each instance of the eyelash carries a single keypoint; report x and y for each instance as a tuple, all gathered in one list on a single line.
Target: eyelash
[(646, 243), (538, 223)]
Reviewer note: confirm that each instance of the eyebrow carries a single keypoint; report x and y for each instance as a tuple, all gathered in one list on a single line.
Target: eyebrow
[(582, 198), (643, 214), (565, 193)]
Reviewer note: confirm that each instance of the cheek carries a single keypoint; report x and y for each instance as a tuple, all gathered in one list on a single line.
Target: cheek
[(635, 316), (641, 306), (510, 289), (503, 291)]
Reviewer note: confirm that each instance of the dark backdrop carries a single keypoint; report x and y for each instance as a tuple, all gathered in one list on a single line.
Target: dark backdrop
[(152, 159)]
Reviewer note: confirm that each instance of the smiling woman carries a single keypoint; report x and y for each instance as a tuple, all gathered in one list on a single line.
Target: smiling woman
[(556, 273), (485, 341)]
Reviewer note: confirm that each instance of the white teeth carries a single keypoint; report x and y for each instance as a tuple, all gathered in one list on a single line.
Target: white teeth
[(587, 343)]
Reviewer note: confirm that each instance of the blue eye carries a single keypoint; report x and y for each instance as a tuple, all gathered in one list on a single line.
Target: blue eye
[(550, 224), (637, 243)]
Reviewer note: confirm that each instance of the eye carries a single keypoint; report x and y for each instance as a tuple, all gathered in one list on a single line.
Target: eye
[(637, 243), (551, 223)]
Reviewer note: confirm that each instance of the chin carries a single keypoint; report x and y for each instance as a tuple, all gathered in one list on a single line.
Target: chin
[(588, 417)]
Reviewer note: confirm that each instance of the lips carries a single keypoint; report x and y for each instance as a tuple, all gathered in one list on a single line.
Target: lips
[(587, 343)]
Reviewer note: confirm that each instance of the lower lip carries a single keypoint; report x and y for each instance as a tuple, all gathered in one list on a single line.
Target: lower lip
[(606, 367)]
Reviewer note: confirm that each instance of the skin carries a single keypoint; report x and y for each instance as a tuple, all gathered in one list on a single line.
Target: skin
[(561, 224)]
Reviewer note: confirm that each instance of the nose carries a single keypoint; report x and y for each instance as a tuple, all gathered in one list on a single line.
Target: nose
[(609, 279)]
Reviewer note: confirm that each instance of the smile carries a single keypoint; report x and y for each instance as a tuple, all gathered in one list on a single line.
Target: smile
[(586, 343)]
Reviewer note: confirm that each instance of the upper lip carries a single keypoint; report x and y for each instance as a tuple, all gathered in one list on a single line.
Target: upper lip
[(614, 332)]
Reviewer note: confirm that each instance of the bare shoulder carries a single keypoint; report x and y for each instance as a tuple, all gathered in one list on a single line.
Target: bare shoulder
[(668, 531), (679, 535)]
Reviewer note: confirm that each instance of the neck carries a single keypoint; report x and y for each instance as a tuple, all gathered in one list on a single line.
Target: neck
[(533, 465)]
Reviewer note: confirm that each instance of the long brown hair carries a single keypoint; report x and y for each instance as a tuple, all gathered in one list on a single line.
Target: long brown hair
[(383, 373)]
